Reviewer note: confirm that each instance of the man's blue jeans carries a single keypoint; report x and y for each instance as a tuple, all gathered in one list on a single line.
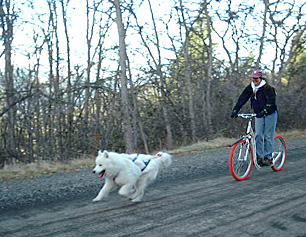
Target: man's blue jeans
[(264, 134)]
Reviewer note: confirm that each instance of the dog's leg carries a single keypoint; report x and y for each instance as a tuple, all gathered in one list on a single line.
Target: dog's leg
[(126, 190), (142, 184), (108, 186), (137, 196)]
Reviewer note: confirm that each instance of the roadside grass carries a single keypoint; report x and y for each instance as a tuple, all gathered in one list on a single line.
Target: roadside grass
[(38, 168), (293, 134), (202, 146)]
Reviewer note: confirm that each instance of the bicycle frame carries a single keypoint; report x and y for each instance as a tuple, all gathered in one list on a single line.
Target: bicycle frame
[(249, 137)]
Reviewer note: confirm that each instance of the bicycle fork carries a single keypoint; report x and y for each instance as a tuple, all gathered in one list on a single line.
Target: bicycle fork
[(253, 142), (244, 157), (276, 156)]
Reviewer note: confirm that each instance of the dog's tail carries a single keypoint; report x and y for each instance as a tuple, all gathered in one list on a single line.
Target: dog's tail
[(163, 159)]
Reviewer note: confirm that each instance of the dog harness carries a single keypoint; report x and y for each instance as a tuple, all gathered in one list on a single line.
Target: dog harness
[(146, 163)]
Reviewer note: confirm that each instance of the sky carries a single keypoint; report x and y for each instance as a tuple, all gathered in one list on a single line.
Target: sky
[(24, 44), (29, 23)]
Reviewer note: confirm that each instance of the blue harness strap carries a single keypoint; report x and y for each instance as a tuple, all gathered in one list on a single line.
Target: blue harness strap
[(146, 163)]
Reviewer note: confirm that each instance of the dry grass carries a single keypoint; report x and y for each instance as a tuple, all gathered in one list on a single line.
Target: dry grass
[(293, 134), (42, 168), (45, 167), (201, 146)]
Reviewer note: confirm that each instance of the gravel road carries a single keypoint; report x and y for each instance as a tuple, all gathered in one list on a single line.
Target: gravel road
[(20, 193), (196, 196)]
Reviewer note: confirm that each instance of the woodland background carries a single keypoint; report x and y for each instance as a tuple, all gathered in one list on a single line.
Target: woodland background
[(142, 75)]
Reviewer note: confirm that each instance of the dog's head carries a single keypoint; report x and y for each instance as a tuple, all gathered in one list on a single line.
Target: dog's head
[(101, 163)]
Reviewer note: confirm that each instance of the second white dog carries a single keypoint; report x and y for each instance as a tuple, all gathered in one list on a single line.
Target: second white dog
[(150, 167)]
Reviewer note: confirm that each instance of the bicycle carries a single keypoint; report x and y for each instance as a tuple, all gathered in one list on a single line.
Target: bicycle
[(243, 152)]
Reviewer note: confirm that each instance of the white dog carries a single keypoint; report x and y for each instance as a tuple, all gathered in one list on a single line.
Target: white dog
[(117, 170), (133, 182), (150, 167)]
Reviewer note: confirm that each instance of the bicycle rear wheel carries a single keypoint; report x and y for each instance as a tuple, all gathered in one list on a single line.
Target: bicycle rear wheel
[(279, 153), (240, 160)]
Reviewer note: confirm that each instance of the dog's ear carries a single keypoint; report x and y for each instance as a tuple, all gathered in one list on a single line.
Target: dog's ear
[(105, 153), (99, 152)]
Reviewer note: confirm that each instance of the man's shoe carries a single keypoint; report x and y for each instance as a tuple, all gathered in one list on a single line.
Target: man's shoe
[(259, 161), (267, 162)]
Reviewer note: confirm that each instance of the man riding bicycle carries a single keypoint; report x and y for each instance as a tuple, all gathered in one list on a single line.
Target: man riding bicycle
[(263, 102)]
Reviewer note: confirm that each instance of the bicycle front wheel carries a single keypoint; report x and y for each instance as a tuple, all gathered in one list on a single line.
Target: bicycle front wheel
[(279, 153), (241, 160)]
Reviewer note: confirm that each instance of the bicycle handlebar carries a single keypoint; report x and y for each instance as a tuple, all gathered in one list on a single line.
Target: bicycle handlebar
[(246, 116)]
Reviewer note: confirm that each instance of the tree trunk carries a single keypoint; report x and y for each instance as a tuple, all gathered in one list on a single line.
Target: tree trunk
[(207, 101), (128, 132), (69, 105), (7, 22), (187, 74), (57, 90), (262, 38)]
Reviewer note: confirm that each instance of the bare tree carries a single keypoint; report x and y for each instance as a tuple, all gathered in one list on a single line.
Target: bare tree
[(158, 69), (187, 72), (208, 116), (128, 132), (103, 28), (285, 37), (8, 17), (69, 105), (262, 38)]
